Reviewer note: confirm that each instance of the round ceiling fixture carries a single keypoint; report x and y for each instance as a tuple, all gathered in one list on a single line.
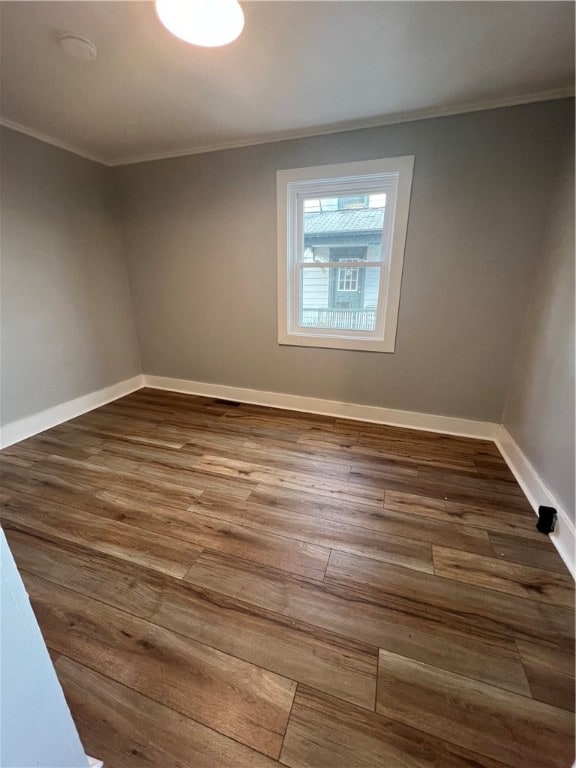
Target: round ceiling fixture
[(209, 23), (78, 47)]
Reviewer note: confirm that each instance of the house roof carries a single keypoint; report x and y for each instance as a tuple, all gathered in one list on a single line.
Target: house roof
[(359, 220)]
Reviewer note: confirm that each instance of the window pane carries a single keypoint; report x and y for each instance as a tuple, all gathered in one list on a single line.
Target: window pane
[(377, 201), (339, 298), (336, 227), (315, 205), (352, 202)]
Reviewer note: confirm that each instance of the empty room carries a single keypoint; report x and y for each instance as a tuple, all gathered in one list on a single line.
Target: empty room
[(287, 384)]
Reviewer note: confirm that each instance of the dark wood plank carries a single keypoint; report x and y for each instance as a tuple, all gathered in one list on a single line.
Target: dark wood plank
[(511, 578), (348, 611), (361, 449), (294, 555), (161, 472), (163, 553), (6, 493), (101, 425), (190, 416), (61, 480), (298, 481), (47, 444), (18, 455), (332, 663), (411, 451), (462, 485), (479, 717), (501, 520), (272, 425), (282, 460), (316, 531), (74, 437), (288, 422), (301, 451), (379, 473), (326, 733), (232, 696), (341, 666), (539, 553), (493, 467), (383, 523), (450, 445), (128, 730), (455, 604), (550, 674), (118, 583)]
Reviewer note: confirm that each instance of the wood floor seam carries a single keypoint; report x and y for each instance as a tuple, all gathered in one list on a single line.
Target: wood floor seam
[(173, 631), (210, 728), (152, 614)]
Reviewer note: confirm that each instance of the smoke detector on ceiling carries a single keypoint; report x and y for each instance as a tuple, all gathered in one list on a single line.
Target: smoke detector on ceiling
[(78, 47)]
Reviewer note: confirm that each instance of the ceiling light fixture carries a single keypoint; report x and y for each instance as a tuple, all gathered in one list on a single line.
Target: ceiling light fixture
[(209, 23)]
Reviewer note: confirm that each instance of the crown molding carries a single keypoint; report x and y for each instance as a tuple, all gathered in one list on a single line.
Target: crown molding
[(303, 133), (50, 140), (354, 125)]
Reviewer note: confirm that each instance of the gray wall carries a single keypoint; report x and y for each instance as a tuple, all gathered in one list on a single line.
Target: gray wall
[(200, 236), (200, 233), (66, 315), (539, 412)]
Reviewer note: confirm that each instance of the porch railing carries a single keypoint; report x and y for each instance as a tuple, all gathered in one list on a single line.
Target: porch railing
[(345, 319)]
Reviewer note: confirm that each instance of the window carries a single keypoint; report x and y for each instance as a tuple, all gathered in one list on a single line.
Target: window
[(347, 279), (341, 235), (350, 203)]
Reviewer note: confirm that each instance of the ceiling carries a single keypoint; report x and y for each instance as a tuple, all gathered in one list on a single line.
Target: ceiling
[(299, 68)]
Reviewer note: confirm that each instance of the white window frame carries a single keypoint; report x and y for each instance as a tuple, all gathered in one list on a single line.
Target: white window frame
[(392, 175)]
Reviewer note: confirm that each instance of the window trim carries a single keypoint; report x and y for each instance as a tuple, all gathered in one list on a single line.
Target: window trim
[(332, 181)]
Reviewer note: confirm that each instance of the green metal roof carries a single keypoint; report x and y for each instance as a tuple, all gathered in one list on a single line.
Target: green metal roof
[(359, 220)]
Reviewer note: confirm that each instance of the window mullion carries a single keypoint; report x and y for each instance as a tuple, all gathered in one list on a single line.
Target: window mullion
[(361, 264)]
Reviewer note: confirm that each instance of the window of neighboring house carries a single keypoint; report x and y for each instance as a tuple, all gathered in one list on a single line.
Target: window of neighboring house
[(341, 235), (348, 283), (352, 202), (347, 279)]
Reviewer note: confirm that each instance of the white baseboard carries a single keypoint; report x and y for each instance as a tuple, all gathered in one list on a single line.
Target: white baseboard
[(537, 493), (38, 422), (449, 425), (564, 537)]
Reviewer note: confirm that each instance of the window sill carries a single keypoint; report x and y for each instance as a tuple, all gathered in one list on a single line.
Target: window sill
[(338, 342)]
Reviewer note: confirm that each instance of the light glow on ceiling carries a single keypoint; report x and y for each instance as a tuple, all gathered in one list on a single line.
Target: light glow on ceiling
[(209, 23)]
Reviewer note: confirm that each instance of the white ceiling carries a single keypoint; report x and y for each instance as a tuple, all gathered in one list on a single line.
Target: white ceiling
[(299, 68)]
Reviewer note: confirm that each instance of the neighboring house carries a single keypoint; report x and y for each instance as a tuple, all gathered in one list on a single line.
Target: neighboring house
[(346, 229)]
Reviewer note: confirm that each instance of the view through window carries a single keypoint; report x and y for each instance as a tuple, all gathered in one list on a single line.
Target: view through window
[(348, 231), (341, 234)]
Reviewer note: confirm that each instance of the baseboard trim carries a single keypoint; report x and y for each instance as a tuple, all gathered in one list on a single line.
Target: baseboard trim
[(537, 493), (428, 422), (31, 425)]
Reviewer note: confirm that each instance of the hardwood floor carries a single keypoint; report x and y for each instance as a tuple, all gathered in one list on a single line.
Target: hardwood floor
[(230, 585)]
